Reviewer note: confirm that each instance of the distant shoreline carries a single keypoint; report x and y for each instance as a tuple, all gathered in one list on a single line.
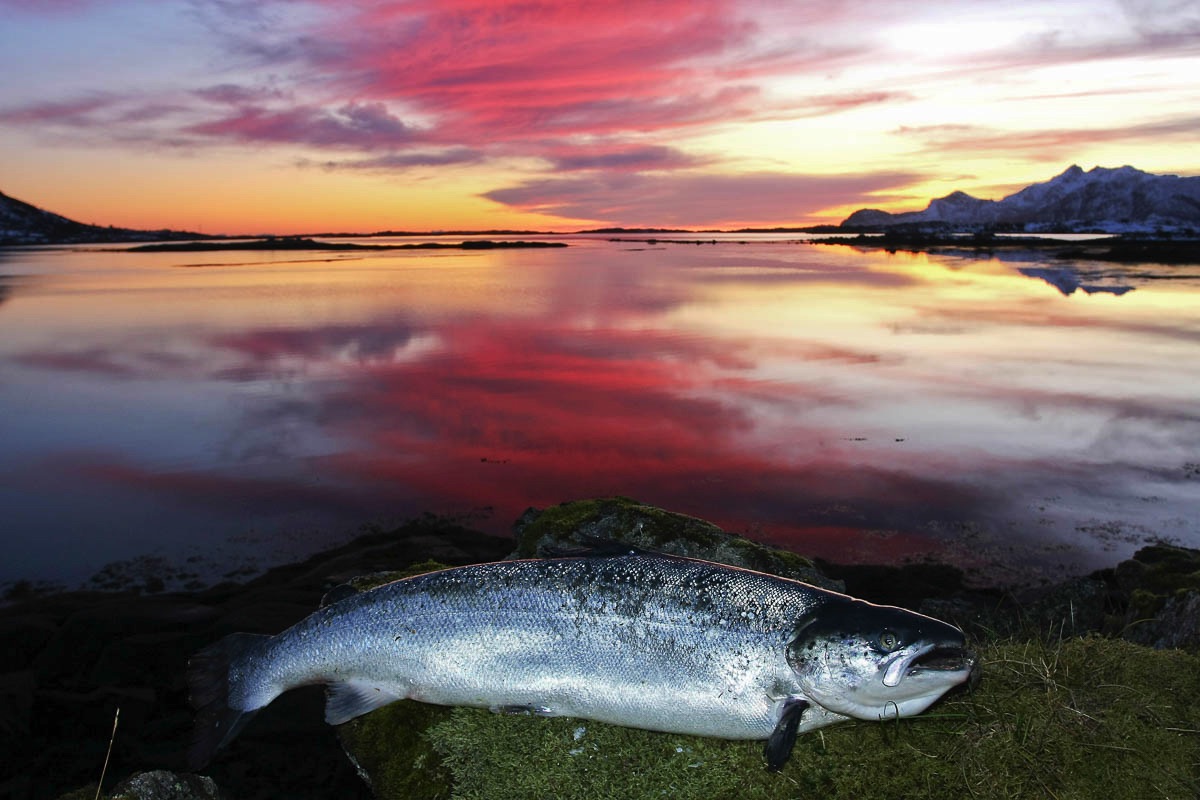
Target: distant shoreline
[(301, 243), (1117, 249)]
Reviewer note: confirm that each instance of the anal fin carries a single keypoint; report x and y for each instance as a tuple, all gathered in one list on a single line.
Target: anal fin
[(778, 748), (346, 700)]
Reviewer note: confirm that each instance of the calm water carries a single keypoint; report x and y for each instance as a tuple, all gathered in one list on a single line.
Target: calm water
[(198, 413)]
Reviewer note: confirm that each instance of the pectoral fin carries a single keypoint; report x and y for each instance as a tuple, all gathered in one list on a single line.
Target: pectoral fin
[(781, 741), (346, 700), (537, 711)]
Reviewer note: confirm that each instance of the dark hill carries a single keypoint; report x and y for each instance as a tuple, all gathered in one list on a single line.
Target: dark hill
[(25, 224)]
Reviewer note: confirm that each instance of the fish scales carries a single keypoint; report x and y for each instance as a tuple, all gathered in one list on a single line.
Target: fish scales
[(566, 637), (647, 641)]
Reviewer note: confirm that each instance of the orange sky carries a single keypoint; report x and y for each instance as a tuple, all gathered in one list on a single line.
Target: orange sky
[(314, 115)]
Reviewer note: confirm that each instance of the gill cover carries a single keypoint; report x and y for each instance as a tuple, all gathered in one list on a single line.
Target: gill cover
[(866, 661)]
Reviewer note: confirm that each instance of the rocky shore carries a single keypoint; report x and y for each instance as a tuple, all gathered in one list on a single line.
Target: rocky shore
[(1116, 249), (69, 661)]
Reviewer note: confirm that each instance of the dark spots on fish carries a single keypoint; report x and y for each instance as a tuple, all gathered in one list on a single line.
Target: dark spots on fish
[(404, 633)]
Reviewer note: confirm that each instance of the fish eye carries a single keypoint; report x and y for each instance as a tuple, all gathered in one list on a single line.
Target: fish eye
[(888, 641)]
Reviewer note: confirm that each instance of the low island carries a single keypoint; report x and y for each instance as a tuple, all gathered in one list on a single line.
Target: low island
[(305, 243)]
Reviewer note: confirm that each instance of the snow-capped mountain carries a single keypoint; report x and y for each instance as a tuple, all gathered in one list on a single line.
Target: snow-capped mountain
[(1115, 200)]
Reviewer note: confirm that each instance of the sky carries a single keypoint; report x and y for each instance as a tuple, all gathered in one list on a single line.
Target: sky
[(293, 116)]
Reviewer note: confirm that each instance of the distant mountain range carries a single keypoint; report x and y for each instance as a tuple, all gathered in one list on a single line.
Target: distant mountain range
[(1121, 200), (22, 223)]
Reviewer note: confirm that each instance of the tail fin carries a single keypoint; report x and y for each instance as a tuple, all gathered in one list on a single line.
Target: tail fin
[(208, 680)]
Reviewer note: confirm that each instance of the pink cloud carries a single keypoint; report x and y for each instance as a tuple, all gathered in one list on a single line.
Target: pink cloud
[(392, 162), (358, 125), (234, 94), (634, 158), (77, 112), (581, 86), (490, 78), (508, 71)]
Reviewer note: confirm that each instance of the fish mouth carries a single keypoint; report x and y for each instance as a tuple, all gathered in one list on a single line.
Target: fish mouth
[(929, 660), (943, 659)]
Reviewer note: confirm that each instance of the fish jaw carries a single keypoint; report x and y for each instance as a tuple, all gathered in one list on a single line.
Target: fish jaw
[(915, 681), (878, 662)]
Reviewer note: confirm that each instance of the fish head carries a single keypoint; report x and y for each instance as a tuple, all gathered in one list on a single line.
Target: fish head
[(877, 662)]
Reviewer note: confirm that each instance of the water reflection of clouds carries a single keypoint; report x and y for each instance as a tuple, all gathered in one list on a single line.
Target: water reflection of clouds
[(822, 414), (534, 414), (732, 267), (244, 494), (112, 363), (944, 319)]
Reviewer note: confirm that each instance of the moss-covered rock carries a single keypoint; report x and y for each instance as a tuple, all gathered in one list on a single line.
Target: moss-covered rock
[(392, 751), (1160, 598), (581, 524), (1079, 718), (1065, 717)]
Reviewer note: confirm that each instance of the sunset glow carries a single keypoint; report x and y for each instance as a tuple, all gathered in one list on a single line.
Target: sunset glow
[(249, 116)]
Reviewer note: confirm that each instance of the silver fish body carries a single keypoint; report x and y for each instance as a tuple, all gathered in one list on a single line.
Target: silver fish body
[(644, 641)]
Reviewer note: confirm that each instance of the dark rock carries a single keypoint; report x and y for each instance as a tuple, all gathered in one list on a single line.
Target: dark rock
[(163, 785), (155, 657), (16, 707), (905, 585), (583, 524), (1177, 625), (71, 659), (22, 636), (85, 634), (1157, 591), (1074, 608), (265, 616)]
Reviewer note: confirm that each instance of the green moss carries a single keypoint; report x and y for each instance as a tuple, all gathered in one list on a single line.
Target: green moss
[(390, 748), (1144, 604), (1162, 569), (618, 519), (1077, 719)]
